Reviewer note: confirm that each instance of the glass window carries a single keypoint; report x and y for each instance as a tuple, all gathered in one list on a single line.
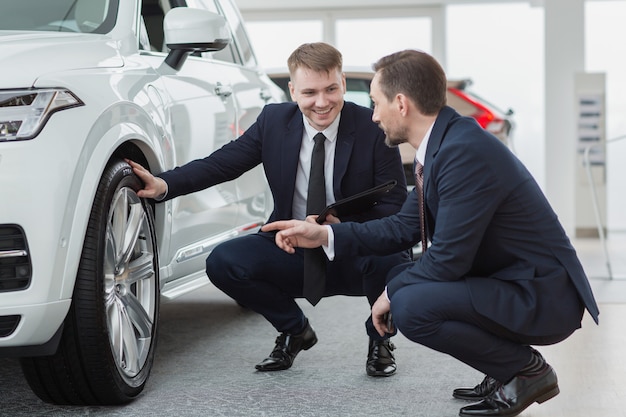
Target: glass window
[(273, 47), (504, 59), (152, 14), (358, 90), (364, 41)]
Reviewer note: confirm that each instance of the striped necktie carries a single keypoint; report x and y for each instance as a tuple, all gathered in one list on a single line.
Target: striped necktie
[(419, 185)]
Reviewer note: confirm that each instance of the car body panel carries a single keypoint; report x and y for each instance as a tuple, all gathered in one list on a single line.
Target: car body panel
[(78, 51)]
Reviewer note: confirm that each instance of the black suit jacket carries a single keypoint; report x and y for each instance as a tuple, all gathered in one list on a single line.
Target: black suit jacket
[(362, 160), (489, 224)]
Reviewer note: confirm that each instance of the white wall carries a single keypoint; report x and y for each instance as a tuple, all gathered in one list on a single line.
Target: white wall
[(606, 52)]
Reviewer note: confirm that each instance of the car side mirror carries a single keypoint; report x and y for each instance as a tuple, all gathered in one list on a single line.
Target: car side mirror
[(190, 30)]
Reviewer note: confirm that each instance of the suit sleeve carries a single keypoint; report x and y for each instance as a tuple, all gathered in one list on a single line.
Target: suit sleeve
[(383, 236), (467, 189)]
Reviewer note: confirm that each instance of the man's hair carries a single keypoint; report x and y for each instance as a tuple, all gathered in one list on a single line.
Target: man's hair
[(416, 75), (319, 57)]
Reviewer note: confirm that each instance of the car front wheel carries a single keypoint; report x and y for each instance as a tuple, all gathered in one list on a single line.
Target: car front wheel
[(109, 335)]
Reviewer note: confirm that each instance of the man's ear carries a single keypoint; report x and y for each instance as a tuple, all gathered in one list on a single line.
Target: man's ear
[(402, 104), (291, 91)]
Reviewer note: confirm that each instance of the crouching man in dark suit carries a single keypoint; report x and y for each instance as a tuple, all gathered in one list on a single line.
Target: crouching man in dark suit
[(500, 274), (284, 138)]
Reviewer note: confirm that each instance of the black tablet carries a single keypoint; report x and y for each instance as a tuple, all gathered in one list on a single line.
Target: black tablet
[(358, 202)]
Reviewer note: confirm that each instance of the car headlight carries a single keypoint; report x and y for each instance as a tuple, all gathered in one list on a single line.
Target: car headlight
[(23, 113)]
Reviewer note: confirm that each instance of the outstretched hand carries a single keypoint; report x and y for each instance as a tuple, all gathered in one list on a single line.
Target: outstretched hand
[(153, 186), (298, 234)]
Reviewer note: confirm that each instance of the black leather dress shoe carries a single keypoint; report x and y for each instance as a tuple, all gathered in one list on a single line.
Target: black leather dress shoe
[(380, 360), (480, 391), (286, 349), (537, 382)]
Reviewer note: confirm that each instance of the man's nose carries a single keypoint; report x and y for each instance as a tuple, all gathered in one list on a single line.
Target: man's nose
[(321, 100)]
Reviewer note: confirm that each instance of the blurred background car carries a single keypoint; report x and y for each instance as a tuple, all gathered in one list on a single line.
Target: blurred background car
[(460, 97)]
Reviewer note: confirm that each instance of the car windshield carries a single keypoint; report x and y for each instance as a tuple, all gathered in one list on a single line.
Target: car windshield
[(84, 16)]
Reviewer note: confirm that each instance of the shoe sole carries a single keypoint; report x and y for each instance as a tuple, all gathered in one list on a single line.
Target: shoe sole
[(380, 374), (553, 392)]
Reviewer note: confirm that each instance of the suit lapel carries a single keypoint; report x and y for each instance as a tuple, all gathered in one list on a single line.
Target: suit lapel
[(289, 159), (343, 148), (434, 142)]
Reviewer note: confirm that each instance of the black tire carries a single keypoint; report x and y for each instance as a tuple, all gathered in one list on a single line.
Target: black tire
[(109, 335)]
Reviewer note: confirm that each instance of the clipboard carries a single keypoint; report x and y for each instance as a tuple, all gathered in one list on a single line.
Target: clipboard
[(357, 203)]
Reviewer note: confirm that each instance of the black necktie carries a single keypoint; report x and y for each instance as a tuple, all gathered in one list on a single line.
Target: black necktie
[(315, 259), (419, 185)]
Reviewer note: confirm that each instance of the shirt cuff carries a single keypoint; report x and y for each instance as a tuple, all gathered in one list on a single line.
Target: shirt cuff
[(330, 249), (387, 295)]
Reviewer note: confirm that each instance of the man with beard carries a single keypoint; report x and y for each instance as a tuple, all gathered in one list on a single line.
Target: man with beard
[(500, 274)]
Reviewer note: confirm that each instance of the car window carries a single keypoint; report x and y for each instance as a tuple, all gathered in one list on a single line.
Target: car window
[(358, 91), (86, 16), (152, 14), (240, 36), (359, 97)]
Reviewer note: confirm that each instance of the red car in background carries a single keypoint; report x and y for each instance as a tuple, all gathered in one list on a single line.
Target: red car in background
[(488, 116), (460, 97)]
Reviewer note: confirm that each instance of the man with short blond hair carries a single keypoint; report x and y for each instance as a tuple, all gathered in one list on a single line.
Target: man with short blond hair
[(251, 269)]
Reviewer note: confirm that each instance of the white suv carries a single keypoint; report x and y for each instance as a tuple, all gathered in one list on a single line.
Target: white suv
[(84, 262)]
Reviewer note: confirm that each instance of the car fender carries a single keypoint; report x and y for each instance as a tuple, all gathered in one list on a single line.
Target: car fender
[(132, 125)]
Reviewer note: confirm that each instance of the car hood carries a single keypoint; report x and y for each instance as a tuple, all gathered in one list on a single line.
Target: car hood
[(26, 56)]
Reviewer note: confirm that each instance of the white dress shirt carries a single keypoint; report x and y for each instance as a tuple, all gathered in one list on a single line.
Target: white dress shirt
[(304, 166)]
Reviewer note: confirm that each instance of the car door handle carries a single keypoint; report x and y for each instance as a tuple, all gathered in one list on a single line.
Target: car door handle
[(223, 90)]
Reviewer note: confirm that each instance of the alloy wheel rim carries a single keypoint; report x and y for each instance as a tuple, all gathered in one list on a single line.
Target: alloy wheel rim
[(129, 283)]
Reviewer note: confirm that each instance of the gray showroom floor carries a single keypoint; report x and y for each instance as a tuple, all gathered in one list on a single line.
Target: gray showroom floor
[(208, 347)]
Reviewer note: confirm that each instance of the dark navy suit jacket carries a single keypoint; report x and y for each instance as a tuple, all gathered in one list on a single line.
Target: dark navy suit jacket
[(490, 224), (362, 160)]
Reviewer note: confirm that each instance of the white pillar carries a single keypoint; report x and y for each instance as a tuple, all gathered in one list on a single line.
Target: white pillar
[(564, 57)]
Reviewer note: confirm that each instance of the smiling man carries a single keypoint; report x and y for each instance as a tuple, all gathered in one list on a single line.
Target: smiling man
[(353, 158)]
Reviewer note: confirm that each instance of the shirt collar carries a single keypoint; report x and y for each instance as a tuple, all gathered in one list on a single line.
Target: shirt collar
[(420, 154), (330, 132)]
